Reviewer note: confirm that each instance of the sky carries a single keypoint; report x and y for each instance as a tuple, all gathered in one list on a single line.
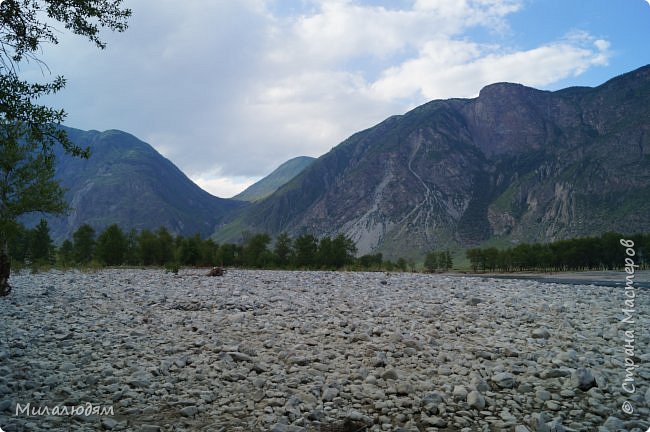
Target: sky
[(230, 89)]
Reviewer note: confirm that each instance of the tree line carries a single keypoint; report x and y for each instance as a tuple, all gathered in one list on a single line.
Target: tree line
[(434, 261), (115, 247), (586, 253)]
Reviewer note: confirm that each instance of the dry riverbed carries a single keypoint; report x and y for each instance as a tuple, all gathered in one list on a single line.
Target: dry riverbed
[(329, 351)]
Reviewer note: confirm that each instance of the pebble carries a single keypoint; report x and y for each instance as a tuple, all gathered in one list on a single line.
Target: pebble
[(583, 379), (459, 392), (504, 380), (541, 333), (475, 400), (109, 423)]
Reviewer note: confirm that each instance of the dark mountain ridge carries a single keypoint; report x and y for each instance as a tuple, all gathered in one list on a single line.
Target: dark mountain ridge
[(514, 164), (127, 182)]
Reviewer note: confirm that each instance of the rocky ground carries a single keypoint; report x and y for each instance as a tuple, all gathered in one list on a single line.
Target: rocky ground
[(320, 351)]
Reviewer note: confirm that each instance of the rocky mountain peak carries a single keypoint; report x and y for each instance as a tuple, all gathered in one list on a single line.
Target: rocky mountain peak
[(514, 164)]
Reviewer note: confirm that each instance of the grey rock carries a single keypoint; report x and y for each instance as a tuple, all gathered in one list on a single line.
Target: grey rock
[(109, 423), (525, 388), (299, 360), (208, 396), (614, 424), (583, 379), (330, 393), (189, 411), (484, 355), (556, 426), (510, 352), (434, 421), (554, 373), (258, 395), (316, 415), (567, 356), (260, 368), (380, 360), (67, 366), (504, 380), (480, 384), (5, 405), (282, 427), (475, 400), (359, 337), (240, 357), (542, 395), (434, 398), (540, 421), (552, 405), (413, 343), (541, 333), (403, 388), (359, 417), (459, 392), (237, 318)]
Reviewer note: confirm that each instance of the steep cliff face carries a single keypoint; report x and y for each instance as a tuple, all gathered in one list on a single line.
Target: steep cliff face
[(592, 170), (514, 163)]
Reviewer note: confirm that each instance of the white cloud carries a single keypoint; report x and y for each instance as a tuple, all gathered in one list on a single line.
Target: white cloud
[(341, 30), (446, 69), (229, 90), (228, 186)]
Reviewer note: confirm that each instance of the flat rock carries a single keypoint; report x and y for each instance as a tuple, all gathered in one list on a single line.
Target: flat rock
[(504, 380), (240, 357), (189, 411)]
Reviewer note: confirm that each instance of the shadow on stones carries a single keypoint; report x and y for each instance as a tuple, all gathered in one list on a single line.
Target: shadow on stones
[(346, 426)]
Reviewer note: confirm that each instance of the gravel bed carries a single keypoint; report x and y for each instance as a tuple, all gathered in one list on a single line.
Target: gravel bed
[(320, 351)]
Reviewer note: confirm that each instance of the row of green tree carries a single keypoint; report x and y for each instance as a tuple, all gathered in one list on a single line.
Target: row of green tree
[(115, 247), (438, 261), (586, 253)]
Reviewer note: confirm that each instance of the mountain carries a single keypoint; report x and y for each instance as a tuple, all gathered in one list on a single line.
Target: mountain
[(273, 181), (514, 164), (127, 182)]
